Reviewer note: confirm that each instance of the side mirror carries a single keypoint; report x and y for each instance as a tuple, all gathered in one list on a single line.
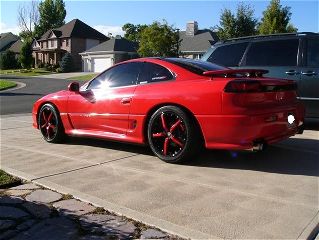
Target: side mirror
[(74, 87)]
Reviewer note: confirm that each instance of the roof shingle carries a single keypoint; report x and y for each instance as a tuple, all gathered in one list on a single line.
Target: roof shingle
[(115, 45), (77, 29), (200, 42)]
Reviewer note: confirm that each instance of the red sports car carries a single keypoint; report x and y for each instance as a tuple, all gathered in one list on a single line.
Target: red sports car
[(176, 106)]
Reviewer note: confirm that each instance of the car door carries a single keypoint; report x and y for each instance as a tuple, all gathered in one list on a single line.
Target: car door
[(104, 103), (309, 83), (279, 57)]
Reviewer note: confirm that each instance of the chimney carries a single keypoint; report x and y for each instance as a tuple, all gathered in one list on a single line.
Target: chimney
[(191, 28)]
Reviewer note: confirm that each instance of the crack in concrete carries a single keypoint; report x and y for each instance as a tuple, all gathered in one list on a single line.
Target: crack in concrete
[(66, 157)]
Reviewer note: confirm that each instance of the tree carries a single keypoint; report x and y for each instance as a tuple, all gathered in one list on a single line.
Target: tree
[(52, 15), (28, 18), (133, 32), (66, 63), (276, 19), (243, 24), (25, 57), (159, 39), (8, 60)]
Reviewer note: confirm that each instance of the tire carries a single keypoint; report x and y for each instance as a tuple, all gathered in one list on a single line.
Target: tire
[(172, 135), (50, 124)]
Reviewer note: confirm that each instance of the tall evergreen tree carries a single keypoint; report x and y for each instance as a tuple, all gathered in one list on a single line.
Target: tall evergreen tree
[(52, 15), (242, 24), (276, 19)]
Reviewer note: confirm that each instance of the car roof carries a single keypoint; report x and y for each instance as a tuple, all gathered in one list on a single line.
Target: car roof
[(270, 36)]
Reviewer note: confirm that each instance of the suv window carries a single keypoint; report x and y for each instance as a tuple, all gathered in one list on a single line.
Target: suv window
[(228, 55), (154, 73), (121, 75), (313, 53), (273, 53)]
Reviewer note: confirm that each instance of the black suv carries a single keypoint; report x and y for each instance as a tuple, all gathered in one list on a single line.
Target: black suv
[(292, 56)]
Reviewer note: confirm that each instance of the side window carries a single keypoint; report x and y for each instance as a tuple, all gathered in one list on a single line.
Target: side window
[(229, 55), (155, 73), (273, 53), (121, 75), (313, 53)]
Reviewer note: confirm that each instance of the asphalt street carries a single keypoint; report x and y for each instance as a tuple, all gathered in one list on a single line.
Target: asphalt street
[(21, 100)]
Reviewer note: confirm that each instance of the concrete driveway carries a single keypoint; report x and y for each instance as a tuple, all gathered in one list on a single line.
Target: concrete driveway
[(270, 195)]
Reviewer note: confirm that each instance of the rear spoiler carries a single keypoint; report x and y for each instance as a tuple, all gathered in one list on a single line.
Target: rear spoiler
[(233, 72)]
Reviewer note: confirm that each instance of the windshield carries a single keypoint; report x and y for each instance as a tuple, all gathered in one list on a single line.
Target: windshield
[(194, 66)]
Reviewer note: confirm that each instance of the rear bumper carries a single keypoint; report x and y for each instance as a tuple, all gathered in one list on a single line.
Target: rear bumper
[(240, 132)]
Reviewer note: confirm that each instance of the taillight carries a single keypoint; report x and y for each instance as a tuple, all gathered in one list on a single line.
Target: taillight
[(243, 86)]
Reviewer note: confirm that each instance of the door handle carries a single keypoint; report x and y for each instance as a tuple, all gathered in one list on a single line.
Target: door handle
[(126, 100), (292, 72), (310, 73)]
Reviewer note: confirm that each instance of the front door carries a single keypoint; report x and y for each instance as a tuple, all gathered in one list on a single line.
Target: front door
[(104, 103)]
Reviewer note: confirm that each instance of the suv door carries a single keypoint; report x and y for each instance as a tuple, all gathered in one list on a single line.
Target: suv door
[(309, 84), (279, 57)]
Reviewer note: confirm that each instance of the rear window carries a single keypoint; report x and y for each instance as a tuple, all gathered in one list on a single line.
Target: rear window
[(273, 53), (228, 55), (194, 66)]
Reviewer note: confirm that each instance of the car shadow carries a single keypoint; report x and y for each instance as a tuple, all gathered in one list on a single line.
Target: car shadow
[(294, 156), (312, 125), (274, 159), (126, 147)]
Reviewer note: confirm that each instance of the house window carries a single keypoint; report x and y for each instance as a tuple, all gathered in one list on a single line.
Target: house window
[(52, 43), (67, 42)]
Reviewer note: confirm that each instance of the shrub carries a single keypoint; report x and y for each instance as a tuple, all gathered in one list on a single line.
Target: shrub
[(8, 60), (25, 57), (67, 63)]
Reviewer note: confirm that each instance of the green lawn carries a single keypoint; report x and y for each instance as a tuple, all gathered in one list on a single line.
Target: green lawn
[(83, 77), (25, 72), (7, 180), (4, 84)]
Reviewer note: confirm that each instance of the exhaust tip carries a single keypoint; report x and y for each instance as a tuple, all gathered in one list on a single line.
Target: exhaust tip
[(258, 146)]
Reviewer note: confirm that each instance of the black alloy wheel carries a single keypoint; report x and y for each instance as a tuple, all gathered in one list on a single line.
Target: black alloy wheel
[(172, 135), (50, 124)]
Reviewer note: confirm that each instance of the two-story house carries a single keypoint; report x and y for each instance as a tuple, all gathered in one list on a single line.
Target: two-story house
[(73, 37)]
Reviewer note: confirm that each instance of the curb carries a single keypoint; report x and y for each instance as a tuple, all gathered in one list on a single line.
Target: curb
[(19, 85)]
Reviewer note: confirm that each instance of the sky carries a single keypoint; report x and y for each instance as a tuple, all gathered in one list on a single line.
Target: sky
[(110, 16)]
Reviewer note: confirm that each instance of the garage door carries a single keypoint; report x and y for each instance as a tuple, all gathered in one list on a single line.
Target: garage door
[(100, 64)]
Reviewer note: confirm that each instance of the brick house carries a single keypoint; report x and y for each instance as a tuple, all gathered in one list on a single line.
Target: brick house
[(73, 37)]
